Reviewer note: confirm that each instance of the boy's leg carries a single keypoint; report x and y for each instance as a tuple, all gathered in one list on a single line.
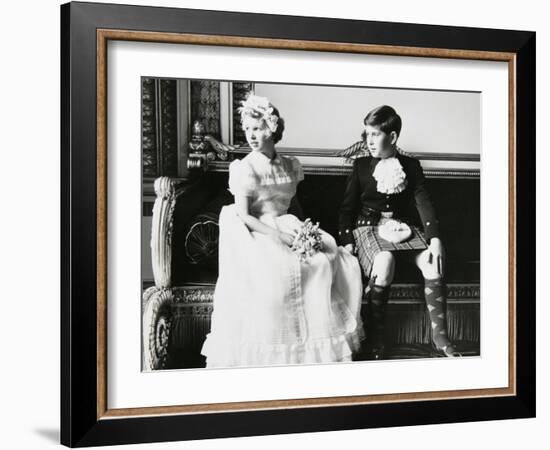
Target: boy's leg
[(436, 303), (379, 288)]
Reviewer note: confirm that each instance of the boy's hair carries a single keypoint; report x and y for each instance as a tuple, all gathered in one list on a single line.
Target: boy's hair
[(385, 118)]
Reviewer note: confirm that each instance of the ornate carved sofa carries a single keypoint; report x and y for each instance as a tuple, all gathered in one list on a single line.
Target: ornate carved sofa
[(176, 310)]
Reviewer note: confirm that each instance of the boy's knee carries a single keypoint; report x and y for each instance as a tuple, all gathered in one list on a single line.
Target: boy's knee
[(383, 268), (384, 259), (429, 272)]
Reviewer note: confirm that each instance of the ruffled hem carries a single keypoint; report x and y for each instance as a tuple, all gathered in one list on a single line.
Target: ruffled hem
[(221, 353)]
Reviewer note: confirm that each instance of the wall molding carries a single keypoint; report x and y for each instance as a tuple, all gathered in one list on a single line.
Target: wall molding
[(324, 152), (345, 169)]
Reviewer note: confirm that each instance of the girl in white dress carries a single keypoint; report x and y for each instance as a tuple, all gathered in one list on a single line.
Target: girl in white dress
[(270, 306)]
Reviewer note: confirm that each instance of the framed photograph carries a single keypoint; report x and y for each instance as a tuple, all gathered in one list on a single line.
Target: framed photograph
[(280, 224)]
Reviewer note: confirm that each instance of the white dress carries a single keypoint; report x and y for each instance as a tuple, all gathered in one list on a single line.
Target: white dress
[(270, 308)]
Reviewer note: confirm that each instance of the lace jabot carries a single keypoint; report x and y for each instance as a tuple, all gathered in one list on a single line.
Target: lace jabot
[(390, 177)]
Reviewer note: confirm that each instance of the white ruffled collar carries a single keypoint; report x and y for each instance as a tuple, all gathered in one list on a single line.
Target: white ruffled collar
[(390, 176), (262, 158)]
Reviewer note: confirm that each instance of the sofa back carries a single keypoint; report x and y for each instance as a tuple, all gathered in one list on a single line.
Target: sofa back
[(457, 202)]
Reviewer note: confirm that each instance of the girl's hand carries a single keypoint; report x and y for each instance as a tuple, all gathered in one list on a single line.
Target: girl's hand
[(350, 248), (285, 238), (437, 255)]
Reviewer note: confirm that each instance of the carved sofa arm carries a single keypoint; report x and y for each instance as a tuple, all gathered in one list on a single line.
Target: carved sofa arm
[(158, 300), (161, 230)]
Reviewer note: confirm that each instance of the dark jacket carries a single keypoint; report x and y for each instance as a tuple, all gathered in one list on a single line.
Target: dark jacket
[(363, 204)]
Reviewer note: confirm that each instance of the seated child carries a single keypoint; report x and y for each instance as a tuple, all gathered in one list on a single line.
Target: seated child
[(376, 221)]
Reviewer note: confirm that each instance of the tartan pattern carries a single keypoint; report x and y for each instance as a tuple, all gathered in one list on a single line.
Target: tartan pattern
[(369, 244)]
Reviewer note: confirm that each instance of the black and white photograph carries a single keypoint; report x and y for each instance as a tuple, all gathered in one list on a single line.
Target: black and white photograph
[(275, 225), (298, 224)]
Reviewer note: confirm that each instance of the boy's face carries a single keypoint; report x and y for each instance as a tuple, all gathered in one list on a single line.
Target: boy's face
[(381, 145)]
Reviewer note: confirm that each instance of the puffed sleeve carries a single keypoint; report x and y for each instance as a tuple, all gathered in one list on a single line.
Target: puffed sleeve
[(349, 207), (242, 180), (423, 202), (297, 170)]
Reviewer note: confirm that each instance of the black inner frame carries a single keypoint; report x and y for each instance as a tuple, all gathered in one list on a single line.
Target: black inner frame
[(79, 424)]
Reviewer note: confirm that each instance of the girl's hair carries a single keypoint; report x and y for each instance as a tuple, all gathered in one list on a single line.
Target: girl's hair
[(385, 118), (260, 108)]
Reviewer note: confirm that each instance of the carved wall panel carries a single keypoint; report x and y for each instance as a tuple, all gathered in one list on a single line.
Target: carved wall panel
[(159, 127), (169, 128), (205, 105), (240, 93), (148, 127)]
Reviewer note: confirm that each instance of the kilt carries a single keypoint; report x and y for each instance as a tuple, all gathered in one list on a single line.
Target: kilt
[(369, 244)]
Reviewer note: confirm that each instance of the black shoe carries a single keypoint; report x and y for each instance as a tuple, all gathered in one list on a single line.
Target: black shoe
[(375, 352), (448, 351)]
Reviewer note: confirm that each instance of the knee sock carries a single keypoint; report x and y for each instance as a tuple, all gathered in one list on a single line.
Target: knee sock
[(376, 313), (436, 303)]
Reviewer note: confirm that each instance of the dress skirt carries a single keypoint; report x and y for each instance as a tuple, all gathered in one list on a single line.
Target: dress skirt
[(369, 244), (270, 308)]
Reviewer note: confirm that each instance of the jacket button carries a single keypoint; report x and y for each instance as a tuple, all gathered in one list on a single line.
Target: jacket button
[(428, 223), (387, 206)]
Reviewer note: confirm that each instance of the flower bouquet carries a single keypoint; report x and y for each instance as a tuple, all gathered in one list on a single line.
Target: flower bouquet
[(308, 240)]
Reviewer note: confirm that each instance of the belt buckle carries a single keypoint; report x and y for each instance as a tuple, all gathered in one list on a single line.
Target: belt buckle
[(387, 214)]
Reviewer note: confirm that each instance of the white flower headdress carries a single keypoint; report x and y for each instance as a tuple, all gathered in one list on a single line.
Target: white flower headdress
[(260, 108)]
